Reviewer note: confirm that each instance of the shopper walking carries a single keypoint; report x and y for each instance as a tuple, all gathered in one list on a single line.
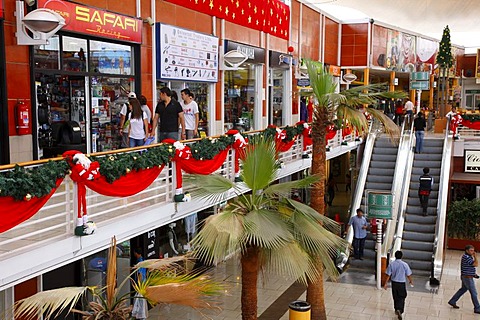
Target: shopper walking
[(399, 111), (419, 124), (424, 189), (190, 112), (398, 272), (409, 110), (468, 266), (170, 113), (138, 129), (359, 224)]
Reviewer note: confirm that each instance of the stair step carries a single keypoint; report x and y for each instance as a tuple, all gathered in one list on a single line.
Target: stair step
[(415, 218), (416, 236), (416, 227), (417, 245), (417, 255)]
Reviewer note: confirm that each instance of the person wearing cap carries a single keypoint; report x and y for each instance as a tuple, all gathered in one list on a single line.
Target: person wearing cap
[(170, 113)]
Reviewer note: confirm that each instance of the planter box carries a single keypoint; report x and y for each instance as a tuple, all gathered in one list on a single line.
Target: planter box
[(459, 244)]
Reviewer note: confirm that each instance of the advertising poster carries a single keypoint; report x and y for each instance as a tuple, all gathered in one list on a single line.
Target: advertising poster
[(407, 59), (379, 47), (186, 55), (426, 54), (394, 42)]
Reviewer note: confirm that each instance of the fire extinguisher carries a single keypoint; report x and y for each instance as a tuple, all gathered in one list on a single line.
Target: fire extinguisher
[(22, 118)]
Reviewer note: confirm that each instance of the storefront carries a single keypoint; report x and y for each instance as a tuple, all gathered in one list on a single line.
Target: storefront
[(4, 139), (243, 91), (189, 59), (278, 81), (82, 79)]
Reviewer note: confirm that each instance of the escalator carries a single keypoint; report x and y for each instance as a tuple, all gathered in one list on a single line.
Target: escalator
[(421, 237), (379, 178), (419, 231)]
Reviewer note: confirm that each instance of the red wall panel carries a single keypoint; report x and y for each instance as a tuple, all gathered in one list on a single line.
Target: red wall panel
[(310, 34), (354, 44), (331, 42)]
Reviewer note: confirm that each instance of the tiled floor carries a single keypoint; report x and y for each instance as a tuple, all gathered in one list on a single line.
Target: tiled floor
[(343, 300)]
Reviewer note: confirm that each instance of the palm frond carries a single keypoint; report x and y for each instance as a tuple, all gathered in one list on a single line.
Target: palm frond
[(389, 126), (325, 222), (211, 187), (284, 189), (266, 229), (219, 237), (260, 163), (289, 260), (111, 281), (158, 264), (49, 303), (354, 117), (192, 293)]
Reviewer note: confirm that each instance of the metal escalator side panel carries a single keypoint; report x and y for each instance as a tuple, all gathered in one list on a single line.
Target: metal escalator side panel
[(404, 184), (362, 178), (403, 163), (438, 248)]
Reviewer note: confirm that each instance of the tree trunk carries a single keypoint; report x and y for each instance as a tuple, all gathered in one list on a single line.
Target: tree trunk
[(315, 292), (250, 267)]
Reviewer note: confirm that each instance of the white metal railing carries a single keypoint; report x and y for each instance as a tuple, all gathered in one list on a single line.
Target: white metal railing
[(57, 218)]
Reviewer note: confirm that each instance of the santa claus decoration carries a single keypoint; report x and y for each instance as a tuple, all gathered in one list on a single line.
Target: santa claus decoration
[(82, 170)]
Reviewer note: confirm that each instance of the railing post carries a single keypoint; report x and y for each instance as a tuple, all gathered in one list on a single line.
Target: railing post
[(68, 204), (75, 204)]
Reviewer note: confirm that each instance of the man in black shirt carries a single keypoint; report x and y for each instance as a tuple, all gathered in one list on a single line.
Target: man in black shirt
[(419, 124), (170, 113), (424, 189)]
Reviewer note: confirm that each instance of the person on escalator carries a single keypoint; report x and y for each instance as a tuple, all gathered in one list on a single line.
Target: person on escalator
[(424, 189)]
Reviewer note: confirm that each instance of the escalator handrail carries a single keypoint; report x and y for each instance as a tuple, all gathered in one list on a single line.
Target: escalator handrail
[(362, 178), (402, 206), (396, 190), (437, 256)]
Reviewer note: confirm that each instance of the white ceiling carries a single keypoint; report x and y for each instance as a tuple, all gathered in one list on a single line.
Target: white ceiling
[(427, 17)]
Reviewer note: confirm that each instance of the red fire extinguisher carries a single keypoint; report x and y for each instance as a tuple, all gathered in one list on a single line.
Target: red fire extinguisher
[(22, 118)]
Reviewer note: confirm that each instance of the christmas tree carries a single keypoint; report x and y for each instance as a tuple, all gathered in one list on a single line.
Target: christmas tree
[(444, 57)]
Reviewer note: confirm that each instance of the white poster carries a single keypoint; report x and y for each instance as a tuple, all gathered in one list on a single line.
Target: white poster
[(472, 161), (187, 55)]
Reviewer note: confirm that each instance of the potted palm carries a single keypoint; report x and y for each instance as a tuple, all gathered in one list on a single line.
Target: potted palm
[(166, 282), (462, 224)]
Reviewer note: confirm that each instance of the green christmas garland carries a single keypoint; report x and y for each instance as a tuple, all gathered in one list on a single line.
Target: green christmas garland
[(471, 117), (39, 181)]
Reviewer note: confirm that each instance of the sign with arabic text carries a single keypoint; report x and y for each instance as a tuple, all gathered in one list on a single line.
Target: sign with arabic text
[(186, 55), (97, 22), (379, 205)]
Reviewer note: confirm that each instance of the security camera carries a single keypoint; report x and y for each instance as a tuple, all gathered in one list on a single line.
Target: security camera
[(30, 2), (149, 20)]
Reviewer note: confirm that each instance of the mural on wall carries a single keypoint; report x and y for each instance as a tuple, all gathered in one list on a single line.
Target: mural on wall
[(379, 46), (407, 58), (393, 50), (426, 54)]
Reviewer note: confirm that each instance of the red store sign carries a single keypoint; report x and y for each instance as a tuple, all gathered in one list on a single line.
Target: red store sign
[(97, 22)]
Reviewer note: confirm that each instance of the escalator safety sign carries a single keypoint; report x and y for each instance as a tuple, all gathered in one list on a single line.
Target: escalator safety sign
[(379, 205)]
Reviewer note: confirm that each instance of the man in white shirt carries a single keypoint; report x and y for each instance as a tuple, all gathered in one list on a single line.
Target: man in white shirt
[(409, 110), (190, 112)]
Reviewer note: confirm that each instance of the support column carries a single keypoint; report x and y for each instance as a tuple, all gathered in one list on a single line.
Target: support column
[(391, 87), (430, 93)]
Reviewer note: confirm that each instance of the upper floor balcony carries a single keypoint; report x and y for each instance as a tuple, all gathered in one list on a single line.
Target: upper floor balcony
[(135, 204)]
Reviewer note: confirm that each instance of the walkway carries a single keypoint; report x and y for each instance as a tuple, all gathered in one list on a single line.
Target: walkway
[(343, 300)]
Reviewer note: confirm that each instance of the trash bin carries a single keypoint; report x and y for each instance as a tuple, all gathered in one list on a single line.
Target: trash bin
[(299, 310)]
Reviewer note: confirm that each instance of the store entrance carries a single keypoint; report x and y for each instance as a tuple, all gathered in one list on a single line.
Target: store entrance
[(61, 114), (240, 98)]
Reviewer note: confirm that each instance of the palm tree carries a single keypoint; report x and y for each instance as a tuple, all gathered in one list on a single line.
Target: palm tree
[(166, 282), (269, 231), (331, 106)]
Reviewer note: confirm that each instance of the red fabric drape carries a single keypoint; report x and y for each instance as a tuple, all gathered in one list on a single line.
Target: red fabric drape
[(15, 212), (127, 185), (331, 132), (194, 166), (472, 125), (284, 146)]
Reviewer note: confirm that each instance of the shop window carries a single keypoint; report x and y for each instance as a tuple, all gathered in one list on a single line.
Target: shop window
[(45, 56), (111, 58), (239, 98), (74, 54), (109, 95)]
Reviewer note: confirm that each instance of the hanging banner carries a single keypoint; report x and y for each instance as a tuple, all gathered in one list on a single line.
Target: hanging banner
[(186, 55), (97, 22), (1, 9), (270, 16), (477, 73)]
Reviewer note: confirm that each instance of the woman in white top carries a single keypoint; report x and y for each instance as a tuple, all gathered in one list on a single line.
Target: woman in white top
[(138, 125)]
